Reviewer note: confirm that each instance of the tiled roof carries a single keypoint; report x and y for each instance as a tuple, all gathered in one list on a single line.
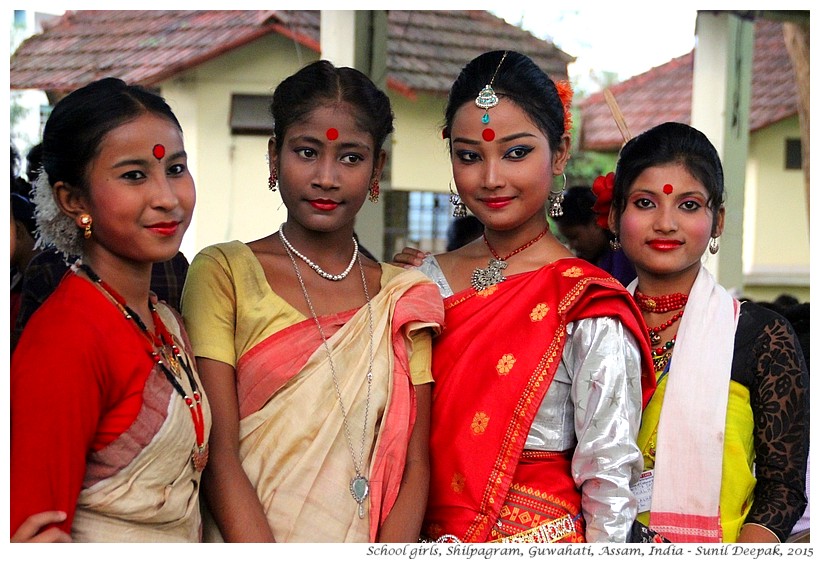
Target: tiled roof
[(664, 93), (426, 49)]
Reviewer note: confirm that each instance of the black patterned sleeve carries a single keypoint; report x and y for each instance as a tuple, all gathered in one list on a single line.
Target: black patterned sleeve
[(780, 405)]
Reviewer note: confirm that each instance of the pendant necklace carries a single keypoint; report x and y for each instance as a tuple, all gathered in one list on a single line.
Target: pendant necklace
[(485, 277), (167, 355), (359, 484), (313, 265)]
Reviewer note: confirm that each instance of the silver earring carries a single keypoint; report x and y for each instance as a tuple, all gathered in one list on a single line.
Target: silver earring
[(459, 209), (615, 244), (556, 198), (713, 245)]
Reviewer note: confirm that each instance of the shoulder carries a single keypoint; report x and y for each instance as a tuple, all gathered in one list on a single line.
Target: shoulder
[(755, 320)]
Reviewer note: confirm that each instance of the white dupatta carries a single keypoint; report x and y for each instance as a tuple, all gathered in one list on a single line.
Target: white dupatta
[(689, 453)]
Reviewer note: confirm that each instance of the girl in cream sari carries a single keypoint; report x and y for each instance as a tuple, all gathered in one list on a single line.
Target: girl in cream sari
[(320, 357)]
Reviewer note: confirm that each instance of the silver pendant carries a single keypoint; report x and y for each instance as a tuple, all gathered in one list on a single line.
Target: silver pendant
[(360, 489), (489, 276)]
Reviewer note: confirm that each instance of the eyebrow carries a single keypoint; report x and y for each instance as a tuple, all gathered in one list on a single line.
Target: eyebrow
[(145, 162), (343, 145), (506, 139)]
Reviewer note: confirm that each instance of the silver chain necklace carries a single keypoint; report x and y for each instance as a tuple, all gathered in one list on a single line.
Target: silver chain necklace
[(359, 484), (314, 266)]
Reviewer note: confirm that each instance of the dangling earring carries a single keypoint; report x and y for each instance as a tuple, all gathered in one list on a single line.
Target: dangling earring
[(713, 245), (272, 180), (615, 244), (459, 209), (85, 224), (374, 191), (556, 198)]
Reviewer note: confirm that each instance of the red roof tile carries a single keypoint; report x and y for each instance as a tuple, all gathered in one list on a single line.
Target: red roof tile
[(664, 93), (426, 49)]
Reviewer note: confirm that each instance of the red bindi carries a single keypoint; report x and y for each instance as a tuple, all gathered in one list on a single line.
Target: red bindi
[(667, 189), (332, 134), (488, 134), (158, 151)]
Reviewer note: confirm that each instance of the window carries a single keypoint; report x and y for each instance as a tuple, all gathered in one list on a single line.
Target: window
[(794, 154), (250, 115), (417, 219)]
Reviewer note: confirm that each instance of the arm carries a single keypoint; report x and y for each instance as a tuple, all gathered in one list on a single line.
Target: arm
[(230, 496), (403, 524), (56, 405), (779, 397), (605, 365)]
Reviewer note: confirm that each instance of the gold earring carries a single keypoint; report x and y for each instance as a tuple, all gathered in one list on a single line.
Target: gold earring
[(85, 223)]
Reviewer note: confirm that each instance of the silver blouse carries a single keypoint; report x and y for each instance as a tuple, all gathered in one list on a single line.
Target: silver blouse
[(594, 406)]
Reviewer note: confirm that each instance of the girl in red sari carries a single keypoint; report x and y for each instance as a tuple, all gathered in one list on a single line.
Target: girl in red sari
[(542, 366)]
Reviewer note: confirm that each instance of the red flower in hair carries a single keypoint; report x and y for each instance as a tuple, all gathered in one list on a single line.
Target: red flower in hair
[(602, 188), (565, 93)]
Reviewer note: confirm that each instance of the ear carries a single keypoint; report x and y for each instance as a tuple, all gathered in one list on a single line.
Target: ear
[(721, 217), (70, 200), (613, 221), (560, 156), (380, 161), (273, 156)]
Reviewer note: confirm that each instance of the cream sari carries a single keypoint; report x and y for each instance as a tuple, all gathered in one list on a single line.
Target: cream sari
[(143, 487)]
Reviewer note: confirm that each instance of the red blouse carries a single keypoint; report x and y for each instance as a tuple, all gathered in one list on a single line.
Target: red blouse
[(77, 378)]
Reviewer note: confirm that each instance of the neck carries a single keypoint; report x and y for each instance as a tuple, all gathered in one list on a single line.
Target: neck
[(656, 285), (506, 242), (335, 245), (131, 280)]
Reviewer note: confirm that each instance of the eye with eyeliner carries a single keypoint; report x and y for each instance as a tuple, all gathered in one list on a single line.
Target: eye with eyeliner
[(518, 152)]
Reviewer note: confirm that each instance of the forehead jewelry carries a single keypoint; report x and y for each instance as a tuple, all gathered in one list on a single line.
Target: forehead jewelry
[(158, 151), (332, 134), (487, 98), (667, 189)]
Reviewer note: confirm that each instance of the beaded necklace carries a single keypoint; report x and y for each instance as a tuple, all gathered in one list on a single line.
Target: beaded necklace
[(662, 304), (167, 355), (313, 265), (485, 277)]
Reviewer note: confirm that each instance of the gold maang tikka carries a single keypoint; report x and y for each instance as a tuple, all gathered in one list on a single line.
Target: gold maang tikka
[(487, 98)]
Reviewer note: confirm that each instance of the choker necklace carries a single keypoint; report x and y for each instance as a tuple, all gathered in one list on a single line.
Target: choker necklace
[(359, 484), (167, 356), (314, 266), (660, 303), (485, 277)]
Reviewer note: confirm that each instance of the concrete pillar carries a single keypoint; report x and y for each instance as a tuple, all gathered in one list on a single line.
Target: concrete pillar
[(720, 109), (358, 39)]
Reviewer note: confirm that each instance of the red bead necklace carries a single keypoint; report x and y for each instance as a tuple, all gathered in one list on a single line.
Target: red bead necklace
[(654, 333), (167, 355), (517, 250), (661, 303)]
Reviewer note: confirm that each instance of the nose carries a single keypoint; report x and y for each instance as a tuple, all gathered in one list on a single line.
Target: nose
[(326, 177), (493, 178), (666, 220), (165, 193)]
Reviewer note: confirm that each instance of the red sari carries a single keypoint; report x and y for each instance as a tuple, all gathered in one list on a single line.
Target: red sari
[(493, 364)]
